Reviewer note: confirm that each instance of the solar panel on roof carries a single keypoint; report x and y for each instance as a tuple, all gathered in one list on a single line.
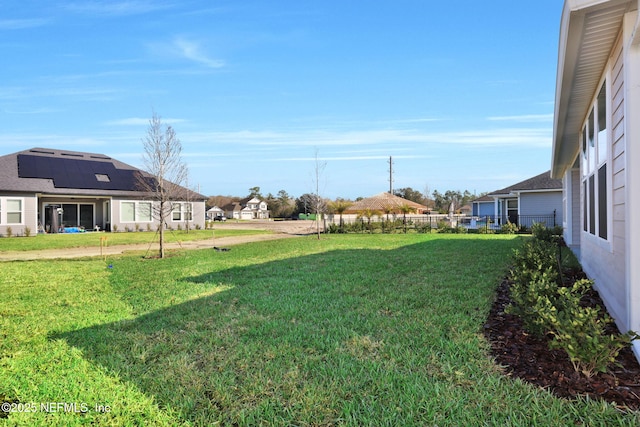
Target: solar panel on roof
[(76, 173)]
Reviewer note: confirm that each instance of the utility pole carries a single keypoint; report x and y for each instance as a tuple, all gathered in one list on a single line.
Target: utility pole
[(390, 175)]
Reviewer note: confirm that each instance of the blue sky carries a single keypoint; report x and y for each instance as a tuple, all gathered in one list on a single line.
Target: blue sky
[(459, 93)]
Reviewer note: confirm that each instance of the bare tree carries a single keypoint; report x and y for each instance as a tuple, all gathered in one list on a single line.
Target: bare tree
[(319, 204), (166, 172)]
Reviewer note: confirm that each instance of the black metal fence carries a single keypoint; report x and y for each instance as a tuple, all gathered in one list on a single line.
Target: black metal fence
[(522, 221), (427, 222)]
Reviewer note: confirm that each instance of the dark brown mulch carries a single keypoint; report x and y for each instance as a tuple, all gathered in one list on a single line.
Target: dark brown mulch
[(529, 358)]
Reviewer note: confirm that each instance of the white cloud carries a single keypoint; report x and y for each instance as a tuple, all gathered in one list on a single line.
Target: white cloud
[(21, 24), (193, 51), (345, 158), (117, 8), (523, 118), (514, 137), (138, 121)]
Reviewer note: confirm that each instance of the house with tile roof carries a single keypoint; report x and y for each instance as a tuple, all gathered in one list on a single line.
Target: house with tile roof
[(50, 190), (596, 148), (537, 199), (385, 202)]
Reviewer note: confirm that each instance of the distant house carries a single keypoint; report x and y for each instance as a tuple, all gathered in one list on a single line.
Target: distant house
[(249, 208), (384, 202), (596, 148), (214, 212), (49, 190), (534, 200), (464, 210)]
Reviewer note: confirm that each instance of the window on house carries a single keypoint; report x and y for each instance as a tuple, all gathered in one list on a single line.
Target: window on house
[(135, 212), (602, 125), (14, 211), (182, 212), (143, 212), (176, 214), (585, 203), (595, 140), (127, 211), (591, 144), (102, 177)]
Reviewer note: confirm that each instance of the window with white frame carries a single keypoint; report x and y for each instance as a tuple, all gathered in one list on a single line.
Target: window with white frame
[(182, 212), (594, 158), (14, 211), (143, 212), (135, 211)]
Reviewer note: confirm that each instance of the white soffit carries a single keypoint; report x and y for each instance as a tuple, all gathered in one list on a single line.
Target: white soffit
[(587, 38)]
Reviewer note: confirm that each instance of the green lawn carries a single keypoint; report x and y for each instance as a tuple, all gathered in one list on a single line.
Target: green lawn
[(91, 239), (358, 330)]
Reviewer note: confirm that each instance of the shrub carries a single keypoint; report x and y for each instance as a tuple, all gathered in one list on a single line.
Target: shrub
[(148, 227), (423, 227), (114, 228), (509, 228), (27, 231), (486, 230), (546, 306), (9, 232), (534, 295), (581, 332), (137, 227), (542, 232), (333, 228)]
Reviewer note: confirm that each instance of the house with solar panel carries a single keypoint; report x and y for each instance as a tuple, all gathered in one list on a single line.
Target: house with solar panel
[(50, 191)]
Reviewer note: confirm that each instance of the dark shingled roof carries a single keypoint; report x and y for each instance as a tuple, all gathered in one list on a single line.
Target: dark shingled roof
[(539, 182), (52, 171)]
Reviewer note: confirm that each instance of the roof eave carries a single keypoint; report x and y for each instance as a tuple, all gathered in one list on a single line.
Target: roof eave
[(571, 104)]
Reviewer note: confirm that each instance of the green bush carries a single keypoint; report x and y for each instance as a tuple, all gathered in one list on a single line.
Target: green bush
[(542, 232), (546, 306), (509, 228), (582, 332), (534, 297), (423, 227), (333, 228)]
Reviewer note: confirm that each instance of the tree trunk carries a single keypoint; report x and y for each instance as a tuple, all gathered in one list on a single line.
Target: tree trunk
[(161, 231)]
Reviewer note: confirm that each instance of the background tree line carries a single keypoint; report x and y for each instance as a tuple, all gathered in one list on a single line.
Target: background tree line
[(283, 205)]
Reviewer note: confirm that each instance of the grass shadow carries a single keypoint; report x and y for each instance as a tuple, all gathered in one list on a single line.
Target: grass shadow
[(315, 339)]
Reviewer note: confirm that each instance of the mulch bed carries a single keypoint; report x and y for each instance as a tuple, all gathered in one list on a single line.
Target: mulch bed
[(529, 358)]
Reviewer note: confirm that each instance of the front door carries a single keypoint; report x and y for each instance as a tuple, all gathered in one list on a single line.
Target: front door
[(512, 211)]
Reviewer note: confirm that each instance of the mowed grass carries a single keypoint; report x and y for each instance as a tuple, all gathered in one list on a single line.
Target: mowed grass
[(92, 239), (353, 330)]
